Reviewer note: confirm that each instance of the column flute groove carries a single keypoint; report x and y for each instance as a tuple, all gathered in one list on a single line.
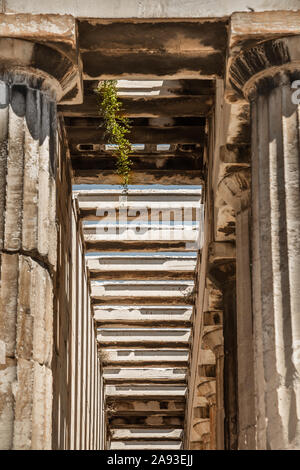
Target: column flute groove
[(267, 83), (28, 239)]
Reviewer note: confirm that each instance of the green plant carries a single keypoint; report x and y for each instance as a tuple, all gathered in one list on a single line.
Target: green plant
[(116, 126)]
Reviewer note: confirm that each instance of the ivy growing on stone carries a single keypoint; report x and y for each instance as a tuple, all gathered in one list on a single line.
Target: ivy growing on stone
[(116, 126)]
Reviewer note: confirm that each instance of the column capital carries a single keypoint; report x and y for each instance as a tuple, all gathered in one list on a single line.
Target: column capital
[(42, 54), (232, 188), (207, 388), (202, 427), (221, 263), (235, 187), (213, 339), (267, 65)]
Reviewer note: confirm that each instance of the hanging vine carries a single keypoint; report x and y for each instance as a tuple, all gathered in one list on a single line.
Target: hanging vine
[(116, 126)]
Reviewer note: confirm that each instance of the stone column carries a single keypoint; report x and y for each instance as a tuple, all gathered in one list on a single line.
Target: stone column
[(264, 75), (32, 79), (234, 189), (221, 272), (202, 429), (207, 389), (213, 339)]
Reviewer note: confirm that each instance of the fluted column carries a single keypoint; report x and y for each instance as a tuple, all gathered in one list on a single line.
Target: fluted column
[(264, 75), (234, 189), (28, 243), (213, 339), (221, 271), (207, 389), (202, 429)]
